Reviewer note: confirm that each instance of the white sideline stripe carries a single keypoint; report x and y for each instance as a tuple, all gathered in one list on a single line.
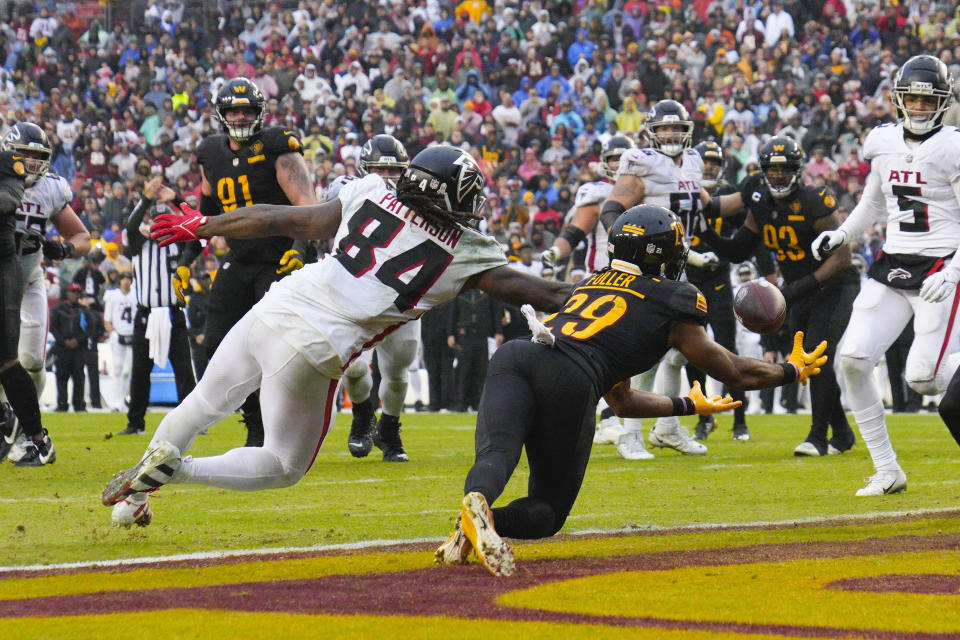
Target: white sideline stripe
[(377, 544)]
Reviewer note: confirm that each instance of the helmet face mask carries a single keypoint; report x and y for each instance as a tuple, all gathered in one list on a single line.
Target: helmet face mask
[(781, 166), (713, 160), (30, 141), (612, 150), (240, 97), (384, 155), (669, 128), (652, 239), (922, 93)]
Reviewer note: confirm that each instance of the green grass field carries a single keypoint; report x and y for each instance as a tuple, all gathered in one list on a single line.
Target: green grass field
[(53, 514)]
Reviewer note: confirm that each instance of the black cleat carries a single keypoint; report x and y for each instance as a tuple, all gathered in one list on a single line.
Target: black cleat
[(132, 431), (741, 432), (9, 429), (387, 438), (704, 428), (360, 442), (38, 453)]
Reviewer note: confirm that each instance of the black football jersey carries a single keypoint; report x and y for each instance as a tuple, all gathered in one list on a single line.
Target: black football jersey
[(615, 324), (786, 224), (724, 226), (245, 177)]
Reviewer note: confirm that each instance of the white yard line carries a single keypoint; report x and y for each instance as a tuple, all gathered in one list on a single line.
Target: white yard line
[(379, 544)]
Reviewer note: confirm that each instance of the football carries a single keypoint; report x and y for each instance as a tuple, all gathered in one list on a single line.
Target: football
[(760, 306)]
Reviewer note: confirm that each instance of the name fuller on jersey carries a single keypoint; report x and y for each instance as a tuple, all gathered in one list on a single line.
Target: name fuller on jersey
[(449, 236), (904, 176), (611, 278)]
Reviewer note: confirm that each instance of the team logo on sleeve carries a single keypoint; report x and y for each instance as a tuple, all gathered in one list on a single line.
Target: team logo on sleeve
[(701, 303)]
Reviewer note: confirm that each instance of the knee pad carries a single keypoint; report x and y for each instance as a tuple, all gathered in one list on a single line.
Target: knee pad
[(922, 380), (31, 362), (357, 369), (857, 368)]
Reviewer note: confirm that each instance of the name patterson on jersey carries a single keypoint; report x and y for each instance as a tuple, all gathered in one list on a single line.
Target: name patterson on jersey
[(449, 236)]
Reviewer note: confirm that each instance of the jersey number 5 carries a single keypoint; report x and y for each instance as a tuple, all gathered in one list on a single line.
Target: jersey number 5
[(371, 227), (906, 203)]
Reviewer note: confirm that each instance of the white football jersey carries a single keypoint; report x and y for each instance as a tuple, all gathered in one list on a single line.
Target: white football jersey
[(41, 201), (333, 189), (594, 193), (676, 187), (389, 267), (916, 181), (119, 309)]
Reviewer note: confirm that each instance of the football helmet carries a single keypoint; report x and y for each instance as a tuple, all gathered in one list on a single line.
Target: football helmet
[(32, 143), (669, 113), (652, 238), (383, 154), (927, 76), (241, 93), (443, 182), (781, 165), (746, 272), (612, 149), (713, 161)]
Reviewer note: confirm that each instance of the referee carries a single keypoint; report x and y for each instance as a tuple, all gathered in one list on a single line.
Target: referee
[(158, 317)]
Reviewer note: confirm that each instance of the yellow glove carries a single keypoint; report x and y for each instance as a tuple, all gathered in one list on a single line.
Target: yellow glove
[(704, 406), (290, 262), (807, 364), (181, 283)]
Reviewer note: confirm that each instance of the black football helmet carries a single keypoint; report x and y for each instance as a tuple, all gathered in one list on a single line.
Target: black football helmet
[(927, 76), (669, 112), (32, 143), (241, 93), (383, 154), (652, 238), (443, 183), (713, 161), (781, 165), (613, 148)]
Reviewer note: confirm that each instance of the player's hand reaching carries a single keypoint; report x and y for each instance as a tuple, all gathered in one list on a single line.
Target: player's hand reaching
[(539, 331), (704, 406), (169, 228), (181, 282), (828, 241), (708, 259), (940, 285), (290, 262), (550, 256), (807, 364)]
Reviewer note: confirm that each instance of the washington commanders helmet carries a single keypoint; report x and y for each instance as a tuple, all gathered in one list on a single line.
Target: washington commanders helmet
[(781, 165), (927, 76), (669, 112), (383, 154), (713, 162), (652, 238), (614, 148), (241, 93), (32, 143), (443, 183)]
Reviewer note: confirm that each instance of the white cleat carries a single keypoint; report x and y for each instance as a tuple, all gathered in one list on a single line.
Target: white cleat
[(130, 511), (677, 439), (806, 448), (154, 470), (608, 431), (884, 482), (630, 447), (477, 522), (456, 549)]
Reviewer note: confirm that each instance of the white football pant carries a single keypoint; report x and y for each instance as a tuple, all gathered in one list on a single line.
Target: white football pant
[(395, 356)]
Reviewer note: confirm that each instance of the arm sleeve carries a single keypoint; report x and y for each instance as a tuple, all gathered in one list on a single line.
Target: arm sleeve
[(134, 237), (736, 249), (189, 253), (868, 211)]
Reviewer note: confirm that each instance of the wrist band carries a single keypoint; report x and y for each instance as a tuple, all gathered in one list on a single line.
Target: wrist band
[(683, 407), (790, 373)]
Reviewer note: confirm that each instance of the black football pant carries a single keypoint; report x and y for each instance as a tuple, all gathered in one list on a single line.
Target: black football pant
[(950, 406), (824, 316), (719, 297), (19, 387), (237, 287), (179, 355), (535, 397), (92, 364)]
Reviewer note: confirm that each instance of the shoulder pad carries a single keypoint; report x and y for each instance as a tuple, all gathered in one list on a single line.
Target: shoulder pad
[(277, 141), (878, 139), (591, 193), (817, 202), (687, 302), (637, 162)]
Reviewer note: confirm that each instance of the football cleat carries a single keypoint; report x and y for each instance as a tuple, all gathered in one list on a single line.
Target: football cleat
[(608, 431), (677, 439), (807, 448), (130, 511), (704, 428), (360, 441), (154, 470), (456, 549), (37, 454), (493, 551), (9, 429), (884, 482), (630, 447), (741, 432), (386, 437)]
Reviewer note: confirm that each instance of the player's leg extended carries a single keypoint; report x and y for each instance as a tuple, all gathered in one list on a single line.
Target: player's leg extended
[(668, 432), (394, 356), (33, 328), (644, 382), (879, 315), (932, 358), (358, 382)]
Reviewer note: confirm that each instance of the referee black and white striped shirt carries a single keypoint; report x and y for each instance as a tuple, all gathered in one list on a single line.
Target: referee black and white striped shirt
[(153, 265)]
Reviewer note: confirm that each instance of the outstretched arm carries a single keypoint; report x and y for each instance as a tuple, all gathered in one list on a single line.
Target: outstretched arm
[(634, 403), (515, 287)]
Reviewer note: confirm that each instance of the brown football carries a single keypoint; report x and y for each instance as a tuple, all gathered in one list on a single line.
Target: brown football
[(760, 306)]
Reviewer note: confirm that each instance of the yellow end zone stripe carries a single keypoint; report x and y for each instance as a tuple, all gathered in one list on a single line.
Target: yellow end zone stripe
[(600, 286), (257, 158)]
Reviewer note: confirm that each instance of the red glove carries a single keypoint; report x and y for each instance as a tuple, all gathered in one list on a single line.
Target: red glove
[(169, 228)]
